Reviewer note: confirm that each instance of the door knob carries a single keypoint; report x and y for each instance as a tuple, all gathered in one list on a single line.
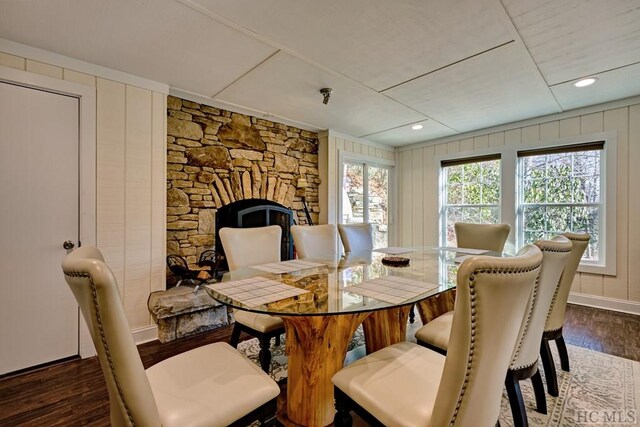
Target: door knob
[(68, 245)]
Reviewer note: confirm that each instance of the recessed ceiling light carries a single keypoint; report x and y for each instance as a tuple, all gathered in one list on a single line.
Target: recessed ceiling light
[(417, 127), (585, 82)]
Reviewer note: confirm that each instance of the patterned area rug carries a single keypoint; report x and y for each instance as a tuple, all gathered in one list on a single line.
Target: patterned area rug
[(600, 390)]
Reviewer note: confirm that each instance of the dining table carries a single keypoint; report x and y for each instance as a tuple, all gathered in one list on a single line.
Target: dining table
[(324, 299)]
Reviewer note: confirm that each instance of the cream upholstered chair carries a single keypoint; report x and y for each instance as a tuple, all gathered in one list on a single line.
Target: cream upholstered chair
[(245, 247), (524, 364), (315, 240), (490, 237), (553, 327), (408, 385), (356, 237), (213, 385)]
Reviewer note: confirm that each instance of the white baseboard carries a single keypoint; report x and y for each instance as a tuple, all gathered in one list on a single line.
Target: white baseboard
[(145, 334), (623, 306)]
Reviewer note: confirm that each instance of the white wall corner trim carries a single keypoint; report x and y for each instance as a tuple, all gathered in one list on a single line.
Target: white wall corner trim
[(56, 59), (605, 303)]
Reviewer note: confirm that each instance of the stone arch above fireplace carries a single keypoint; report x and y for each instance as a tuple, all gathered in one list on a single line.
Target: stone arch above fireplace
[(217, 157)]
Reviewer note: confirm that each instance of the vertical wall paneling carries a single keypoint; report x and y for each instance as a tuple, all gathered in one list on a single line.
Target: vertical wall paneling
[(44, 69), (417, 191), (513, 137), (12, 61), (466, 144), (549, 131), (530, 134), (453, 147), (569, 127), (82, 78), (591, 284), (480, 142), (496, 139), (618, 120), (634, 203), (405, 207), (138, 204), (440, 149), (591, 123), (110, 152), (158, 193), (431, 193)]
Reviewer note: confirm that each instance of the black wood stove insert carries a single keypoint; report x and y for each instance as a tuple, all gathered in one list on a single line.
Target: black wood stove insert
[(255, 213)]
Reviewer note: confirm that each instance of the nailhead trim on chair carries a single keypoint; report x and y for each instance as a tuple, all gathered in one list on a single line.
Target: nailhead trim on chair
[(578, 238), (472, 293), (103, 338), (526, 325)]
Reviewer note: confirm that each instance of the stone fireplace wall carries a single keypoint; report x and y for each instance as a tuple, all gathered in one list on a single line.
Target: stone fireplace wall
[(215, 157)]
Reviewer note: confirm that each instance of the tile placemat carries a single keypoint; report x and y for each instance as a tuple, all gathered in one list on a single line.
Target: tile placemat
[(256, 291), (391, 289), (287, 266)]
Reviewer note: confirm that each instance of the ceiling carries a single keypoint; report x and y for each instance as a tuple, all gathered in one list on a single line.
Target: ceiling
[(452, 66)]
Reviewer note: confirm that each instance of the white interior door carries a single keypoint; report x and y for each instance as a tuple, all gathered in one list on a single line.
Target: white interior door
[(39, 204)]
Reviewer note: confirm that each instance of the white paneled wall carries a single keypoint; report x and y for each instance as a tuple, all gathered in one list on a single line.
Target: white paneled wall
[(418, 174), (130, 181)]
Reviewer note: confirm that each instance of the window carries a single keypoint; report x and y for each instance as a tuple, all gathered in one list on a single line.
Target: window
[(560, 190), (471, 193), (365, 198), (541, 190)]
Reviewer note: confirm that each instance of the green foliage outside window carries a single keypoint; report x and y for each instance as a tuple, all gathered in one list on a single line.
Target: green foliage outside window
[(472, 194)]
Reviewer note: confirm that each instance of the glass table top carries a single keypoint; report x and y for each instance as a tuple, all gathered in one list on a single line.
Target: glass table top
[(332, 287)]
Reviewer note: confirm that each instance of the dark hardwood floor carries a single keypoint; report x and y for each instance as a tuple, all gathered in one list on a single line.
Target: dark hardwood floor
[(74, 393)]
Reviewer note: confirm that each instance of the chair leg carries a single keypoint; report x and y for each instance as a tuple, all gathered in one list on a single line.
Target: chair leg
[(516, 401), (549, 368), (564, 356), (538, 390), (342, 418), (268, 415), (265, 353), (277, 340), (235, 336), (412, 314)]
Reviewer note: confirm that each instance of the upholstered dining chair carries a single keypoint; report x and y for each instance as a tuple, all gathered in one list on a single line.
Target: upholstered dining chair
[(245, 247), (212, 385), (315, 240), (356, 237), (555, 321), (490, 237), (524, 364), (406, 384)]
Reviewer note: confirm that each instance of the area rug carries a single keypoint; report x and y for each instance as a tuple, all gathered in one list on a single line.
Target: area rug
[(600, 390)]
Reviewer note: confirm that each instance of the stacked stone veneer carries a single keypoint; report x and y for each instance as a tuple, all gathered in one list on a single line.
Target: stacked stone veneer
[(215, 157)]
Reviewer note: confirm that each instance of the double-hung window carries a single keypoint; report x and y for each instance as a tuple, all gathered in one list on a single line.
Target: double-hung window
[(561, 190), (471, 193), (540, 190)]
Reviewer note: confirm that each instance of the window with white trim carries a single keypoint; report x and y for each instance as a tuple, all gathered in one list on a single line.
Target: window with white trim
[(471, 193), (365, 198), (545, 189), (561, 190)]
